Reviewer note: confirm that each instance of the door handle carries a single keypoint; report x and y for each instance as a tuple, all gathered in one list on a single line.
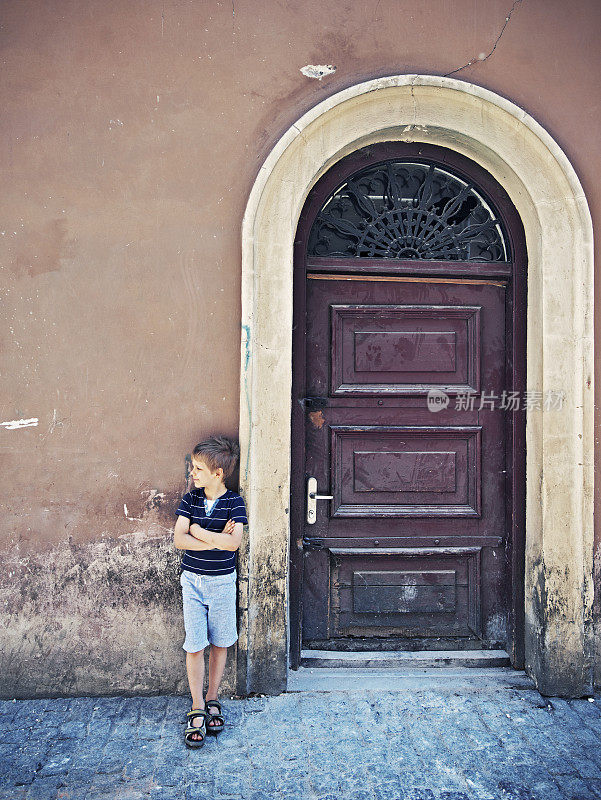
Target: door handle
[(312, 498)]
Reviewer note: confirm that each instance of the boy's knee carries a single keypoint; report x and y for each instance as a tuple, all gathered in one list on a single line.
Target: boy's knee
[(196, 652)]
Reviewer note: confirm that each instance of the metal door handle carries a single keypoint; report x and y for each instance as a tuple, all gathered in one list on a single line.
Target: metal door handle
[(312, 498)]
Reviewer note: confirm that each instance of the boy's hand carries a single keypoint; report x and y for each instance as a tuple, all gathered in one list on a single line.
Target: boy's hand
[(229, 526), (196, 531)]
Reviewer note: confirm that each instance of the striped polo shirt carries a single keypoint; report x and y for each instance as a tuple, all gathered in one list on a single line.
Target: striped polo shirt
[(229, 506)]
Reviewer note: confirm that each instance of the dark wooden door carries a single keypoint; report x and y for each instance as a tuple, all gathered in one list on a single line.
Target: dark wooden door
[(412, 545), (409, 281)]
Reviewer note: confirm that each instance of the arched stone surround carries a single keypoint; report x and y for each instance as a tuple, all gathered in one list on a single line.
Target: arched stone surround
[(543, 186)]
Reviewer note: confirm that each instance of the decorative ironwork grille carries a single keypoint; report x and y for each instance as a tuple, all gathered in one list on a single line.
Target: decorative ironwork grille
[(408, 210)]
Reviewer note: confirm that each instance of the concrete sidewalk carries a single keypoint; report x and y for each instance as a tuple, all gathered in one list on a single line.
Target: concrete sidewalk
[(479, 743)]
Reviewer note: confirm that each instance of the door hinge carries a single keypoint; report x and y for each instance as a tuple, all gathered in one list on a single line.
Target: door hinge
[(312, 544), (315, 403)]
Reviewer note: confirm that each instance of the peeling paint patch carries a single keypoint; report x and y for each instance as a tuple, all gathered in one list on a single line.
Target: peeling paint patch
[(13, 424), (410, 128), (317, 418), (155, 498), (126, 512), (317, 70)]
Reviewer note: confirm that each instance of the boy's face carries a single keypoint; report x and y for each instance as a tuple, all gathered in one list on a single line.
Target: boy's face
[(202, 475)]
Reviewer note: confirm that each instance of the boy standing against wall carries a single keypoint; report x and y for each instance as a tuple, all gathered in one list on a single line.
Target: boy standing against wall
[(209, 528)]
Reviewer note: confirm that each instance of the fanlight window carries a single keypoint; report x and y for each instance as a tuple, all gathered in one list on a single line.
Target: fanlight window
[(403, 210)]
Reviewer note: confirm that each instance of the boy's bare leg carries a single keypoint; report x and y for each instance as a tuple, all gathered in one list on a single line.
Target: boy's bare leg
[(195, 667), (217, 659)]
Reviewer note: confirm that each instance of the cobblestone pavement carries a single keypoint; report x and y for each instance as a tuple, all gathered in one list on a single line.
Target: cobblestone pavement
[(509, 744)]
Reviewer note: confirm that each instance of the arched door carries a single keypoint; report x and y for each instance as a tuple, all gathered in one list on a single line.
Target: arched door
[(407, 504)]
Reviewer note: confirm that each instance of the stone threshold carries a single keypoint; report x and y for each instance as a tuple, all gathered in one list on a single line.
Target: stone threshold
[(445, 679), (404, 659)]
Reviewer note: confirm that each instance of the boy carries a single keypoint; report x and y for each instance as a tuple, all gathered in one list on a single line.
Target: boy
[(209, 528)]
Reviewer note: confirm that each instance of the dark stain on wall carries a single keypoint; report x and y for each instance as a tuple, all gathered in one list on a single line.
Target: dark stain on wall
[(552, 659), (268, 672), (597, 615)]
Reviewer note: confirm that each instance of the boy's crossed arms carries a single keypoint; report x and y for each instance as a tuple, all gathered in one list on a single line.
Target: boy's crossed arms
[(193, 537)]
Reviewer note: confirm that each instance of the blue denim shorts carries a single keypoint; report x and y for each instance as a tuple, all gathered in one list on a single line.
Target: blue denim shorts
[(209, 610)]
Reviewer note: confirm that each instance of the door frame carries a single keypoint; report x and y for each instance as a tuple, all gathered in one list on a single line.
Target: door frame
[(515, 363), (549, 198)]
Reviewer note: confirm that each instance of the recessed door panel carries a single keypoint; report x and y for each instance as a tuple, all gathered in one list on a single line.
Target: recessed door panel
[(406, 471), (402, 349), (404, 592)]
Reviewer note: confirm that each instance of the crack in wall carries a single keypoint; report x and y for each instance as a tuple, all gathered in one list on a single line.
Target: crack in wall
[(484, 57)]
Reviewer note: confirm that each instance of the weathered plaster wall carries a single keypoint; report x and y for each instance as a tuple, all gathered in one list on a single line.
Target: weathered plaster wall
[(133, 132)]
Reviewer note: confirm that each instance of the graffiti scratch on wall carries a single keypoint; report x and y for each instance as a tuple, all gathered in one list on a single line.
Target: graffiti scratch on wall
[(13, 424)]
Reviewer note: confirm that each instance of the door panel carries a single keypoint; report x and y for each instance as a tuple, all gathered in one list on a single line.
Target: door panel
[(414, 537), (377, 351), (403, 592), (405, 471)]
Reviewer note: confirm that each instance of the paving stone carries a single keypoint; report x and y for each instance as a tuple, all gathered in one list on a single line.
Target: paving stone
[(587, 710), (153, 708), (57, 765), (81, 706), (169, 773), (452, 794), (45, 788), (72, 729), (106, 707), (18, 775), (17, 793), (595, 786), (167, 793), (139, 767), (8, 711), (514, 791), (86, 756), (255, 705), (113, 758), (546, 790), (78, 777), (574, 788)]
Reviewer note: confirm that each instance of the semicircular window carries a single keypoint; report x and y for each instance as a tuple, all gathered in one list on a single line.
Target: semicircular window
[(408, 210)]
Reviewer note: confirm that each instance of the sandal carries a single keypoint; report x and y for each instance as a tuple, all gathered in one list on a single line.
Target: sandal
[(219, 718), (201, 729)]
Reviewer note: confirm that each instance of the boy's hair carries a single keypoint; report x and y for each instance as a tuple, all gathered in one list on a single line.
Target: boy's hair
[(218, 451)]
